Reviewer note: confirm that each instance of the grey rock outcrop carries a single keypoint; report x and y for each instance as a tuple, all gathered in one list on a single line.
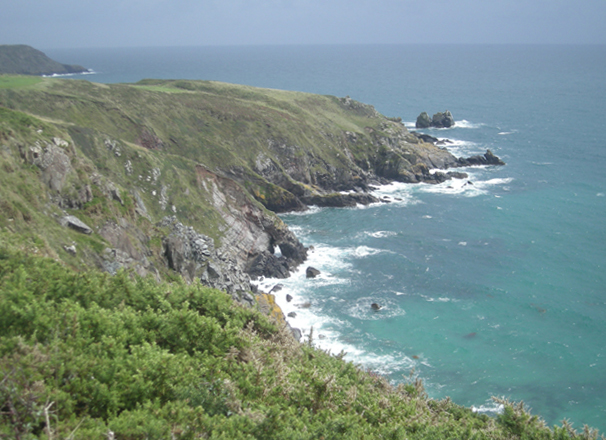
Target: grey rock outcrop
[(76, 224), (487, 158), (423, 121), (438, 120), (52, 159), (442, 120), (311, 272), (194, 256)]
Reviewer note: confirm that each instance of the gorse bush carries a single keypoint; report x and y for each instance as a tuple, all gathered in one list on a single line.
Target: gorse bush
[(89, 355)]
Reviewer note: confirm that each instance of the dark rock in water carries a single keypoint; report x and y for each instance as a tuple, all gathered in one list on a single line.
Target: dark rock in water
[(423, 121), (426, 138), (288, 298), (439, 120), (375, 306), (292, 315), (305, 305), (487, 159), (312, 272), (338, 200), (457, 175), (276, 288), (76, 224), (442, 120), (470, 335)]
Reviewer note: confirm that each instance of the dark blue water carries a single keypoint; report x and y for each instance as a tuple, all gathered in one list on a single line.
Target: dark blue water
[(490, 288)]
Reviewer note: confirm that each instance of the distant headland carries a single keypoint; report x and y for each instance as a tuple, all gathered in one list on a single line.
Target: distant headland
[(21, 59)]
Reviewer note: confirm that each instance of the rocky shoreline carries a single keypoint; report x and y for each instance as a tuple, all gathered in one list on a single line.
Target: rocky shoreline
[(186, 177)]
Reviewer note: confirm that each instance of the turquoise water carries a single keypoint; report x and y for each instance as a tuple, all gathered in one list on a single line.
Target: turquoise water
[(490, 288)]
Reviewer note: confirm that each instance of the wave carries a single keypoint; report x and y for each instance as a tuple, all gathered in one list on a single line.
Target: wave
[(469, 187), (381, 234), (461, 148), (466, 124), (59, 75), (365, 251)]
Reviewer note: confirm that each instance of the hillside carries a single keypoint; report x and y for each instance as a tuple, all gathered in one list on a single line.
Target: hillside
[(186, 176), (132, 219), (25, 60)]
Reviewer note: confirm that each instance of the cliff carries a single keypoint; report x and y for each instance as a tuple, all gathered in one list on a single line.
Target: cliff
[(25, 60), (186, 176)]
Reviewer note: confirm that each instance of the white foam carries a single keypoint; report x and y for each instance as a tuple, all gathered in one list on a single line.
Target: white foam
[(311, 210), (489, 408), (381, 234), (398, 193), (361, 309), (59, 75), (465, 187), (365, 251), (466, 124)]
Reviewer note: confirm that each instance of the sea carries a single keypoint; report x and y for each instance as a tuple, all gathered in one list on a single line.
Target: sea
[(494, 285)]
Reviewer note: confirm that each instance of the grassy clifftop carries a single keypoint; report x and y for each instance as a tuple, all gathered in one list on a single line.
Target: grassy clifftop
[(25, 60)]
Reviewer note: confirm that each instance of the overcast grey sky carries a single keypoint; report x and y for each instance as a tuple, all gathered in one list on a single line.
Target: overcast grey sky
[(131, 23)]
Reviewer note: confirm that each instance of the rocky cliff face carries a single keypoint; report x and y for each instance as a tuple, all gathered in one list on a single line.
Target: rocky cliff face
[(166, 177)]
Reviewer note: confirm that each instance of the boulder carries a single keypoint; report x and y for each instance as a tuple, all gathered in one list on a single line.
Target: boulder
[(487, 159), (423, 121), (311, 272), (426, 138), (439, 120), (442, 120), (276, 288), (76, 224), (292, 315), (375, 306), (288, 298)]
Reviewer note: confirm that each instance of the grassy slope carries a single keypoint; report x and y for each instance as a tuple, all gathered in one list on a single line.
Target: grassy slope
[(82, 354)]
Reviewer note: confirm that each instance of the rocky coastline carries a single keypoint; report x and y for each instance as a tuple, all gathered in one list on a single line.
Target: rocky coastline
[(126, 188)]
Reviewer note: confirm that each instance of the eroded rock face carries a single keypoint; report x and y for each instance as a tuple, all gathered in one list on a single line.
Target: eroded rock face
[(252, 235), (194, 256), (52, 160)]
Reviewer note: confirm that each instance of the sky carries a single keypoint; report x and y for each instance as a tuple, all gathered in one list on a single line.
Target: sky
[(62, 24)]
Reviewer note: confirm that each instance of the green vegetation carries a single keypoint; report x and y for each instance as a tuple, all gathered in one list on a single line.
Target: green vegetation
[(82, 354), (25, 60), (10, 82)]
